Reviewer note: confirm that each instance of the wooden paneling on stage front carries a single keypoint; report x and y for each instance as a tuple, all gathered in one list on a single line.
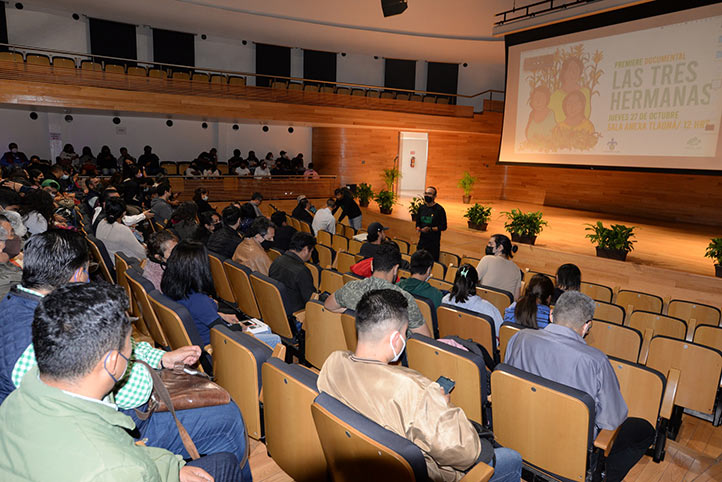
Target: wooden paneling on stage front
[(233, 188)]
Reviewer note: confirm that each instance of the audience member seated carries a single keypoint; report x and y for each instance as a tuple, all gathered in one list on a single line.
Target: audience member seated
[(187, 279), (37, 210), (160, 206), (463, 295), (128, 220), (532, 309), (116, 236), (404, 401), (208, 222), (284, 232), (349, 208), (235, 161), (297, 163), (421, 264), (559, 353), (324, 220), (262, 170), (158, 249), (87, 162), (194, 169), (211, 170), (91, 192), (376, 235), (251, 210), (36, 177), (290, 269), (250, 252), (125, 160), (106, 162), (303, 209), (200, 197), (225, 239), (149, 162), (13, 158), (252, 160), (68, 158), (496, 269), (10, 273), (242, 169), (278, 169), (385, 266), (310, 173), (63, 400), (569, 278), (183, 220)]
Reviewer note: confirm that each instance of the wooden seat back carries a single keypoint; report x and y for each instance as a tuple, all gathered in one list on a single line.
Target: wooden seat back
[(506, 331), (710, 336), (325, 238), (661, 324), (345, 261), (467, 325), (447, 258), (609, 312), (220, 280), (324, 333), (170, 321), (325, 256), (339, 243), (702, 314), (100, 256), (597, 292), (270, 304), (642, 388), (145, 310), (331, 281), (440, 284), (240, 283), (500, 299), (637, 300), (615, 340), (354, 246), (451, 274)]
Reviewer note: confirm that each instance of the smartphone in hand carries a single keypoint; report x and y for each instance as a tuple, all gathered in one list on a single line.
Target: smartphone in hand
[(447, 384)]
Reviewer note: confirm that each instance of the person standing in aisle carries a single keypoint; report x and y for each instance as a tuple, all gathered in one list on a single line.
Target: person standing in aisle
[(430, 222)]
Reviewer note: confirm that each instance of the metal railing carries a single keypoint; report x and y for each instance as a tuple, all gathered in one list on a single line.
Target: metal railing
[(536, 8)]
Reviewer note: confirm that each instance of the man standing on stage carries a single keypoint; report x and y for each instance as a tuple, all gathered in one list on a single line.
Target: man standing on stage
[(430, 221)]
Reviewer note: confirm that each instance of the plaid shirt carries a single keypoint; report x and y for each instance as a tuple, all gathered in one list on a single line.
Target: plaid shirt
[(133, 389)]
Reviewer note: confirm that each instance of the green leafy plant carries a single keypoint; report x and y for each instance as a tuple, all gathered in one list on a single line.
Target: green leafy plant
[(467, 183), (386, 200), (478, 214), (615, 238), (415, 204), (524, 224), (364, 193), (391, 175), (714, 250)]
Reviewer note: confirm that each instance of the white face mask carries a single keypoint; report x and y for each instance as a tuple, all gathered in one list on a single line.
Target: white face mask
[(14, 150), (205, 198), (64, 177), (403, 347)]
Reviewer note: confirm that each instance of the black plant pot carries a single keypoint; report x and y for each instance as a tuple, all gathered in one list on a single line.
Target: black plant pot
[(363, 203), (386, 210), (523, 239), (718, 270), (618, 254), (478, 227), (413, 217)]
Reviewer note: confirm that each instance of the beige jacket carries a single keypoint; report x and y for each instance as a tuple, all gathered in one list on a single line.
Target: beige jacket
[(250, 253), (409, 404)]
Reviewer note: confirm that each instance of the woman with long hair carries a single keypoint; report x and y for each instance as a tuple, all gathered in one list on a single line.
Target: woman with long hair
[(496, 269), (37, 210), (187, 279), (116, 236), (200, 197), (183, 220), (463, 295), (532, 309), (158, 248)]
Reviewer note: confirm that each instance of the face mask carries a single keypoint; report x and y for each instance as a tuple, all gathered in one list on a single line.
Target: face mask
[(205, 198), (403, 347), (215, 226), (64, 177), (14, 150), (489, 250), (266, 244), (127, 363), (428, 199), (12, 247)]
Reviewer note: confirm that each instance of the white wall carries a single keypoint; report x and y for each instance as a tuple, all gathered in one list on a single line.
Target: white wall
[(47, 30), (182, 142), (360, 69)]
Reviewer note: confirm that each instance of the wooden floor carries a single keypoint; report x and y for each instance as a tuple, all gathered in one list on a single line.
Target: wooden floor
[(695, 456)]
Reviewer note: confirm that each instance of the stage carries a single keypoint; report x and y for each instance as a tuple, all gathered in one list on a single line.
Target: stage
[(667, 260)]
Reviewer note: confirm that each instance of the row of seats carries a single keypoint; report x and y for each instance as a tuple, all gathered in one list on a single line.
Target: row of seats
[(370, 93)]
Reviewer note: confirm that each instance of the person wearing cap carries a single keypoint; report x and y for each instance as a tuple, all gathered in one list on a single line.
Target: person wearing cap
[(376, 236), (324, 220), (301, 211), (51, 186)]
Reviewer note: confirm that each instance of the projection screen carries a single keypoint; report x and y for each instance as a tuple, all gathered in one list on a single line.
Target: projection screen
[(641, 94)]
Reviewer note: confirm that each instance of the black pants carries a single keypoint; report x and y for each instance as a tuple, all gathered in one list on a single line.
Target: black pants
[(432, 245), (635, 437)]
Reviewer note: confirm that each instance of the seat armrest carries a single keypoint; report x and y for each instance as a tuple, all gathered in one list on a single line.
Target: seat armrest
[(300, 315), (479, 473), (208, 349), (644, 350), (670, 393), (279, 351), (605, 439)]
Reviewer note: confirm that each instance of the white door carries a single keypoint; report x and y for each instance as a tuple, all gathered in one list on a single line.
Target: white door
[(413, 148)]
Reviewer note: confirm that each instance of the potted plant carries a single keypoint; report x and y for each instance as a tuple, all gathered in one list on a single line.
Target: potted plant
[(478, 216), (364, 194), (714, 251), (524, 227), (386, 200), (390, 177), (414, 206), (613, 242), (467, 184)]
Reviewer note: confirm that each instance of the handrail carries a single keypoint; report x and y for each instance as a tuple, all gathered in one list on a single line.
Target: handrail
[(13, 47), (528, 13)]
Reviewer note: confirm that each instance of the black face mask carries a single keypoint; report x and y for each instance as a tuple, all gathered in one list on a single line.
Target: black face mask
[(12, 247), (215, 227), (428, 199), (266, 244), (489, 250)]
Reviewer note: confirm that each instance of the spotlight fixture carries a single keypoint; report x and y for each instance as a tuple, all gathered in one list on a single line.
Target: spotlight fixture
[(169, 123), (343, 54), (19, 6), (68, 118), (290, 130), (265, 129), (204, 36), (244, 42), (465, 64), (204, 125), (393, 7), (116, 120), (376, 57), (76, 16), (33, 115), (235, 127)]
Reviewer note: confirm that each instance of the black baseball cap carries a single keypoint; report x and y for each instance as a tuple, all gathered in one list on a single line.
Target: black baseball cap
[(374, 228)]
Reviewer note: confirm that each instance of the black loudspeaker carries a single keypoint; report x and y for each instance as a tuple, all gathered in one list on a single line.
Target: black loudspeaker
[(393, 7)]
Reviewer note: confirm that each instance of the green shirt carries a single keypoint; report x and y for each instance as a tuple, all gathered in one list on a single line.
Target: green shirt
[(422, 288), (350, 294), (50, 434)]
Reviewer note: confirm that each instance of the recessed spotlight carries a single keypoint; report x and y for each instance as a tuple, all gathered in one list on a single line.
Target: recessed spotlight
[(343, 54), (235, 127), (76, 16), (33, 115), (244, 42), (376, 57), (19, 6), (116, 120), (169, 123), (68, 118), (465, 64), (204, 36), (204, 125), (265, 129), (290, 130)]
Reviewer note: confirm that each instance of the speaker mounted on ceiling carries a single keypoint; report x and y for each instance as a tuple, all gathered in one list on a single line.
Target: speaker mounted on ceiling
[(393, 7)]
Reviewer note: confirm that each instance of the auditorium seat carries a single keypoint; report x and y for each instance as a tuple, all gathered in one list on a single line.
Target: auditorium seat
[(468, 325), (339, 243), (343, 91), (404, 246), (295, 86), (415, 97), (700, 370), (551, 425), (448, 259), (310, 88), (90, 65), (137, 71), (499, 298), (237, 361), (470, 260), (200, 77), (327, 89), (273, 253), (64, 62), (115, 68), (440, 284), (324, 333), (326, 255), (433, 359), (506, 331), (442, 100), (157, 73), (315, 271), (637, 300), (171, 168), (426, 307), (388, 95), (358, 92), (123, 264), (402, 96), (324, 237), (348, 323), (404, 274), (609, 312), (405, 257), (429, 99), (374, 94), (218, 79), (235, 80), (182, 166), (223, 288), (451, 274), (710, 336), (597, 292), (345, 261), (293, 222), (291, 437), (349, 277), (438, 270), (176, 321), (615, 340), (141, 287), (11, 57), (687, 310), (660, 324), (100, 255), (239, 279), (529, 274), (179, 75), (354, 246), (37, 59)]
